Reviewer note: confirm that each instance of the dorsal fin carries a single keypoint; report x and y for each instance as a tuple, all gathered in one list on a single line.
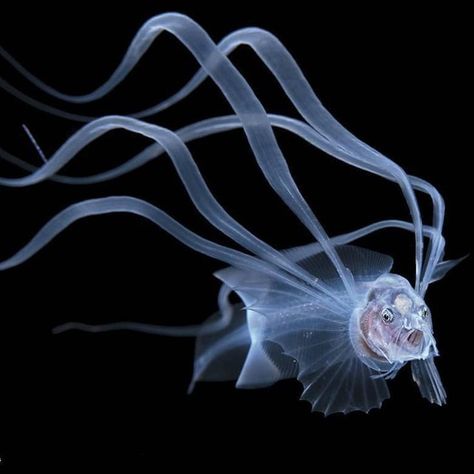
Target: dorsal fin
[(364, 264)]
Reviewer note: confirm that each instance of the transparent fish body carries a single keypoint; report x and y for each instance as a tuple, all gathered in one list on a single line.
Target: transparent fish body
[(283, 333), (328, 313)]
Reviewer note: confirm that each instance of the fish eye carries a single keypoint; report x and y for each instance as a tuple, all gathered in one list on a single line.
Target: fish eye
[(387, 315), (424, 312)]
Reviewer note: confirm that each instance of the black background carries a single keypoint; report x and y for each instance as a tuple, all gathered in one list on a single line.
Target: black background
[(392, 76)]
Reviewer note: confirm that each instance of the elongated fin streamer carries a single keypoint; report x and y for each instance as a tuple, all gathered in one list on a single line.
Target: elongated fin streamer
[(427, 377)]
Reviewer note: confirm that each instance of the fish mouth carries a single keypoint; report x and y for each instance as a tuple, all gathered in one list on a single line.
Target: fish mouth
[(415, 337)]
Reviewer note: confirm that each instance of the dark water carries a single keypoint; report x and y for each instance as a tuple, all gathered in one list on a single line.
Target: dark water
[(394, 78)]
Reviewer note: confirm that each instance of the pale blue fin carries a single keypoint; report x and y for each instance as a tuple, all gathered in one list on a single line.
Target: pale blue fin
[(364, 264), (259, 370), (426, 376), (219, 356), (442, 268), (334, 379), (265, 294)]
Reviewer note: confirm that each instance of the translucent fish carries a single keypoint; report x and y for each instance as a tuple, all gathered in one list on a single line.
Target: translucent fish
[(328, 313)]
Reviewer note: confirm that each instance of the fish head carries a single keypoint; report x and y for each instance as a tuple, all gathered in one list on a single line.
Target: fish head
[(394, 322)]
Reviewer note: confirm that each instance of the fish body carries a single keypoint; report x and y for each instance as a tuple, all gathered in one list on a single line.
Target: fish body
[(340, 356)]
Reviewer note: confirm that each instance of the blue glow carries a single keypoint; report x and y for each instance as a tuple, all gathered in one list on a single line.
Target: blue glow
[(329, 313)]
